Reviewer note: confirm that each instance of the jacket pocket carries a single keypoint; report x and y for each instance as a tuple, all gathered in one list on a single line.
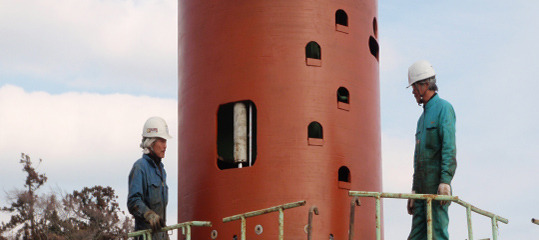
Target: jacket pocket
[(156, 196), (432, 137)]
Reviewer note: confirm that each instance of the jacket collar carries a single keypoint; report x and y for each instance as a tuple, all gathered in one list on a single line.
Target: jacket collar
[(432, 101), (151, 161), (154, 165)]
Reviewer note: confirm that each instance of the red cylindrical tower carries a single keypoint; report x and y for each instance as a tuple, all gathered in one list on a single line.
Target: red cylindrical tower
[(305, 77)]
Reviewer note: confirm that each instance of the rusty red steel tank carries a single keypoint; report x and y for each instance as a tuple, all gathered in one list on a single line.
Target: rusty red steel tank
[(289, 90)]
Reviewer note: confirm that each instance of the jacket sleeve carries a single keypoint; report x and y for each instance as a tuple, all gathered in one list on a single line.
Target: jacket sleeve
[(135, 203), (449, 149), (415, 182)]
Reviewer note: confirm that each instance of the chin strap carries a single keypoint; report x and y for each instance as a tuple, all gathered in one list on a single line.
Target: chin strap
[(420, 95)]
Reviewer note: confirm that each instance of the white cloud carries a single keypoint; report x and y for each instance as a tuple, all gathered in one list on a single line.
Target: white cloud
[(84, 44)]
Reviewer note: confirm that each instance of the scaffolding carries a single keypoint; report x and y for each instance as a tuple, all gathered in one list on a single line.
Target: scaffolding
[(429, 198), (279, 208), (186, 227)]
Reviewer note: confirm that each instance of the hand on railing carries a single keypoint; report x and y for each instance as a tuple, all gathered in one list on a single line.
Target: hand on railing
[(444, 189), (410, 205), (155, 220)]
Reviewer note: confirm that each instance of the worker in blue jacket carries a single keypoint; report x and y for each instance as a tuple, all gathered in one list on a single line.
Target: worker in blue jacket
[(435, 153), (148, 191)]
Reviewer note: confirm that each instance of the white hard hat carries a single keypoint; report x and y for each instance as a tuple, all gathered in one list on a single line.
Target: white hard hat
[(156, 127), (420, 70)]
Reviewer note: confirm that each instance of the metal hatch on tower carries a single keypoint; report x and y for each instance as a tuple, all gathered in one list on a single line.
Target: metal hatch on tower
[(236, 135)]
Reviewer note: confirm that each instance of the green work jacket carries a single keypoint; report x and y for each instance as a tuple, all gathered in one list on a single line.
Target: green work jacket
[(435, 154)]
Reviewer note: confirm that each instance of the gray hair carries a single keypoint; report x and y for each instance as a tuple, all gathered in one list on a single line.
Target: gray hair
[(431, 82), (147, 144)]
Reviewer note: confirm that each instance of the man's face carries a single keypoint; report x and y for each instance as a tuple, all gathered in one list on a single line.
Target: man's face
[(159, 147), (418, 90)]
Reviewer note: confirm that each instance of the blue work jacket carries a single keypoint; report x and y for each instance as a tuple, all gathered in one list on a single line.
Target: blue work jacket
[(147, 190), (435, 157)]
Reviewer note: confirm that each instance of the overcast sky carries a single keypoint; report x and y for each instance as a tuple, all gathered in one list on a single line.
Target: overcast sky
[(79, 78)]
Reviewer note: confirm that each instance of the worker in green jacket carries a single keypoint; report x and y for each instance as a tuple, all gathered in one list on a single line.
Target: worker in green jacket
[(435, 153)]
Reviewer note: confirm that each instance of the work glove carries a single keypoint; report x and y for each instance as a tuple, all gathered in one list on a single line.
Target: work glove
[(156, 222), (444, 189), (410, 205)]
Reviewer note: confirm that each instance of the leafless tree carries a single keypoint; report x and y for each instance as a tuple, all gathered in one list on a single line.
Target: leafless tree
[(92, 213), (24, 202)]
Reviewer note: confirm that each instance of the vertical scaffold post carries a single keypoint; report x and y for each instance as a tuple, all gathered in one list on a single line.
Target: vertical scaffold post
[(355, 201), (313, 210), (243, 228), (494, 228), (429, 218), (469, 218), (378, 219), (281, 224), (188, 232)]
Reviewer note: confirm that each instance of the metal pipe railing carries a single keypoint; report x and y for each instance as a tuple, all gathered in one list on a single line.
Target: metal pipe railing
[(429, 198), (355, 201), (186, 228), (279, 208), (313, 210)]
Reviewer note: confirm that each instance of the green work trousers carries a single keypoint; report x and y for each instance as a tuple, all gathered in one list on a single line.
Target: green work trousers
[(440, 221)]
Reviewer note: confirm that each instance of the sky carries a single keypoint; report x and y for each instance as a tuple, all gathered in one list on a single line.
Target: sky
[(79, 78)]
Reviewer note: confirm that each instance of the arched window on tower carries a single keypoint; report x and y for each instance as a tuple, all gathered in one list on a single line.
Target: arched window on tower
[(341, 21), (373, 46), (313, 54), (375, 27), (344, 178), (343, 99), (315, 134)]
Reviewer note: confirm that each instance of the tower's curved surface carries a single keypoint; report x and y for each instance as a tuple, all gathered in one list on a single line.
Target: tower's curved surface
[(301, 79)]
